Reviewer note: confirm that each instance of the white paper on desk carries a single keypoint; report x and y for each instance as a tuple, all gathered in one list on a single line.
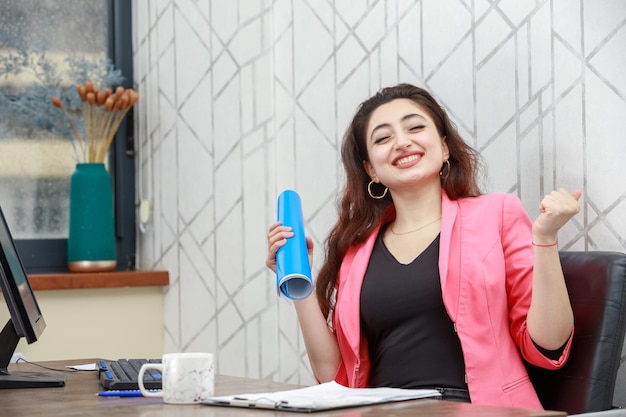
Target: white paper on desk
[(84, 367), (321, 397)]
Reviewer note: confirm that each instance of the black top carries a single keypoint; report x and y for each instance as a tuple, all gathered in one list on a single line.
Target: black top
[(412, 341)]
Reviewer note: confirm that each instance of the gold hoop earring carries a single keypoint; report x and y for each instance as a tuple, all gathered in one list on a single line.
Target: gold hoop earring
[(376, 197), (447, 174)]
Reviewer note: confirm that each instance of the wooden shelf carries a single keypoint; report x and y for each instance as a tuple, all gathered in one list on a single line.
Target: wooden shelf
[(114, 279)]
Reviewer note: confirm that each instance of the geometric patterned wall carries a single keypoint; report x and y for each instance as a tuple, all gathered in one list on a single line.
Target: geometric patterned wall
[(242, 100)]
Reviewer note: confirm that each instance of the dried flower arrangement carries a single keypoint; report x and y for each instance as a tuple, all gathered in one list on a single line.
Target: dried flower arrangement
[(26, 106), (103, 110)]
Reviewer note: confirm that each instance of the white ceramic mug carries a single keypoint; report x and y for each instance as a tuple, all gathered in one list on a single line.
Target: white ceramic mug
[(187, 378)]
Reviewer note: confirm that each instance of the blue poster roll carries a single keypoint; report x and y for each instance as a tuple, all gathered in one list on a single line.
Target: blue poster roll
[(293, 271)]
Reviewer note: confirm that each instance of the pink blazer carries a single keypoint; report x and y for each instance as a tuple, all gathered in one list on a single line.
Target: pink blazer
[(486, 268)]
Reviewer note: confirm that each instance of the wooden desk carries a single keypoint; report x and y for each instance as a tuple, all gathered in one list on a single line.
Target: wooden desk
[(78, 398)]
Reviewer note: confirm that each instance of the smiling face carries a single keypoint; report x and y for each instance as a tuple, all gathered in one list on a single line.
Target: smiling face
[(404, 146)]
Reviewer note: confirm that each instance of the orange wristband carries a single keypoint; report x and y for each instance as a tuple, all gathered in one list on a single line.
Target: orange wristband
[(544, 246)]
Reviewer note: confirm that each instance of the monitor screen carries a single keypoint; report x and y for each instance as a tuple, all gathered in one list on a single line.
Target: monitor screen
[(26, 318)]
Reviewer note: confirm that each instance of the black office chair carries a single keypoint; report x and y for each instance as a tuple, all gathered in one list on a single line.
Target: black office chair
[(596, 282)]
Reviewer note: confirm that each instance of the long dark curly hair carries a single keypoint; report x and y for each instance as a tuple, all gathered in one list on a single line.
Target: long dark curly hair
[(358, 213)]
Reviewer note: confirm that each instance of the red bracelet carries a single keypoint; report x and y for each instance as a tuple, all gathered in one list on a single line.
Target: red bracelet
[(544, 246)]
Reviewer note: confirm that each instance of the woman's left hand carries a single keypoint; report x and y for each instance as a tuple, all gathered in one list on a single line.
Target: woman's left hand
[(556, 209)]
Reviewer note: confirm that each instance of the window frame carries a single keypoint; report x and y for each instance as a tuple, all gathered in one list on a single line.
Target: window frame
[(50, 255)]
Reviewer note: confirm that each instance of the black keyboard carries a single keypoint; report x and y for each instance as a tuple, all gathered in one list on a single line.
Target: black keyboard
[(122, 374)]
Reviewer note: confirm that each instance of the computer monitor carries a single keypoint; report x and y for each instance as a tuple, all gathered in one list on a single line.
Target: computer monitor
[(26, 318)]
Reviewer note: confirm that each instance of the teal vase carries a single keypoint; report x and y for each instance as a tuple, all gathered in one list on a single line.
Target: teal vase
[(91, 242)]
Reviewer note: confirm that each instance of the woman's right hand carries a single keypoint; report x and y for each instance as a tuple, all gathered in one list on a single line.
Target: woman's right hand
[(320, 341), (277, 238)]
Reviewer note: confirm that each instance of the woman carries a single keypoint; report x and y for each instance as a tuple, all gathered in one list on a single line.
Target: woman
[(429, 283)]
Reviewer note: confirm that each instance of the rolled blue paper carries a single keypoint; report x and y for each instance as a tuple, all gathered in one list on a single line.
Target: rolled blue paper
[(293, 271)]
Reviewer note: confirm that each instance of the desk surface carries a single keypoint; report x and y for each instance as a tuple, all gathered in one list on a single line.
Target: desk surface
[(78, 398)]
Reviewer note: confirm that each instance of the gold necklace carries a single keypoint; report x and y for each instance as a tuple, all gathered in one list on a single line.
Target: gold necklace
[(414, 230)]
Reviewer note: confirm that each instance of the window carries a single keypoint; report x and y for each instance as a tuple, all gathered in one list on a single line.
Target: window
[(36, 160)]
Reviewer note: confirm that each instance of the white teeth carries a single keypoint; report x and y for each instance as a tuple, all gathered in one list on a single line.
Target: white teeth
[(407, 159)]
